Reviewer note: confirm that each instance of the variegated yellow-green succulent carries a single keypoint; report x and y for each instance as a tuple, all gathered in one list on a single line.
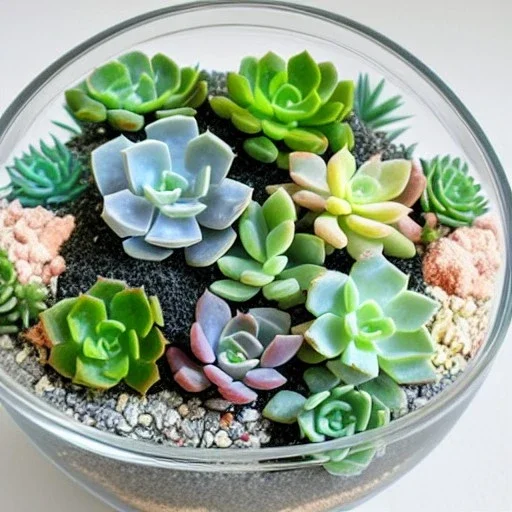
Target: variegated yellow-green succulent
[(356, 210), (122, 91), (299, 103), (369, 320)]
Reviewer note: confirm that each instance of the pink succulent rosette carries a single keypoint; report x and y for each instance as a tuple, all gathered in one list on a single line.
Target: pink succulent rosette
[(237, 354)]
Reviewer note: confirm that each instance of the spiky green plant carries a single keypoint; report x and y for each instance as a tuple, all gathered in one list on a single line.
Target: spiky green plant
[(451, 193), (50, 175), (19, 304), (377, 113)]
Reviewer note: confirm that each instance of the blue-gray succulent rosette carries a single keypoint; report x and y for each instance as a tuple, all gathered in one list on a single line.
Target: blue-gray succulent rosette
[(170, 191)]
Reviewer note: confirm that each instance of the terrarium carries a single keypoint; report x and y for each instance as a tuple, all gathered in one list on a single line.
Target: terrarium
[(270, 262)]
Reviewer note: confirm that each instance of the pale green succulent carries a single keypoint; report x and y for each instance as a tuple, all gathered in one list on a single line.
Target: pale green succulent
[(356, 210)]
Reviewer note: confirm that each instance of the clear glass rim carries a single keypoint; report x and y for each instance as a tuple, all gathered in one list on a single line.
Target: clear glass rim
[(36, 410)]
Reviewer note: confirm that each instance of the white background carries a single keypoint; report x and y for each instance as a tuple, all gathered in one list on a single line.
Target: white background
[(469, 44)]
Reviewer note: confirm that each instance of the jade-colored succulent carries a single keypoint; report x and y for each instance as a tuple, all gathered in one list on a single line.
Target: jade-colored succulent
[(270, 256), (19, 303), (356, 210), (123, 90), (50, 175), (336, 412), (170, 191), (106, 336), (451, 193), (369, 321), (378, 114), (239, 354), (297, 105)]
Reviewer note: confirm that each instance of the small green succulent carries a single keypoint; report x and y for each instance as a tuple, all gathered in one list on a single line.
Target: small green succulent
[(356, 210), (369, 321), (270, 256), (19, 303), (51, 175), (379, 115), (105, 336), (123, 90), (298, 102), (451, 193), (336, 412)]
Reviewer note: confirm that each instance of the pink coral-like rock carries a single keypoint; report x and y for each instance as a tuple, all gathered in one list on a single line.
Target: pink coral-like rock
[(465, 262), (33, 238)]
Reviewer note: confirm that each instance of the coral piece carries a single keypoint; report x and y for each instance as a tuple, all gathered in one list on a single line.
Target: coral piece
[(376, 114), (465, 262), (451, 193), (170, 191), (105, 336), (298, 102), (340, 411), (356, 210), (239, 354), (50, 175), (369, 320), (123, 90), (33, 237), (19, 303), (271, 257)]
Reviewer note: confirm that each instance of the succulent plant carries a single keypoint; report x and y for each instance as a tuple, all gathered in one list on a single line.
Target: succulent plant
[(19, 303), (353, 209), (451, 193), (50, 175), (239, 354), (270, 256), (379, 115), (106, 336), (170, 191), (123, 90), (369, 320), (298, 102), (333, 413)]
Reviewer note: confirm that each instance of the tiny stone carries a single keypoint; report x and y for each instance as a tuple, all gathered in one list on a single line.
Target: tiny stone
[(43, 385), (23, 354), (217, 404), (248, 415), (207, 440), (123, 427), (226, 420), (222, 439), (183, 410), (131, 413), (122, 401), (145, 420), (6, 342), (171, 418)]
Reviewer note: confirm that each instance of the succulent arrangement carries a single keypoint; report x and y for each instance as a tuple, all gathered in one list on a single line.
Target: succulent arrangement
[(170, 191), (122, 91), (19, 303), (451, 192), (107, 335), (316, 247), (297, 102), (50, 175), (271, 257), (240, 354), (356, 210)]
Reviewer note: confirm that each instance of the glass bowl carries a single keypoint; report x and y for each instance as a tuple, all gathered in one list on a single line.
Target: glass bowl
[(134, 475)]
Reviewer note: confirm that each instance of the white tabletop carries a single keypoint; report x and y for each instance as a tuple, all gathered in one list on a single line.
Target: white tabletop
[(469, 44)]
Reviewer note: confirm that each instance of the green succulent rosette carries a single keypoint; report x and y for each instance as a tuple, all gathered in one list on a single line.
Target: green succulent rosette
[(270, 257), (297, 105), (19, 303), (451, 193), (335, 412), (368, 321), (122, 91), (45, 176), (106, 336)]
